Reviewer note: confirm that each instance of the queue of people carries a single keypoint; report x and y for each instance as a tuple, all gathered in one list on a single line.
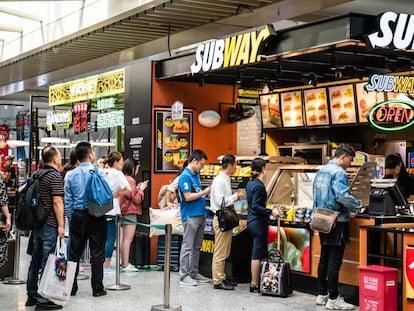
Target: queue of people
[(65, 196)]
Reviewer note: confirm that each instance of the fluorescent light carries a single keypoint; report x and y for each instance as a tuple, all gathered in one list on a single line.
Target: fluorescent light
[(102, 144), (56, 140), (17, 143)]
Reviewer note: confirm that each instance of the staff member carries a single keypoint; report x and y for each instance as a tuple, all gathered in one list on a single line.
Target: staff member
[(394, 168)]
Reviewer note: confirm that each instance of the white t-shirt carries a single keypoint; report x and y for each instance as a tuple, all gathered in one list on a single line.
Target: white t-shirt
[(117, 181)]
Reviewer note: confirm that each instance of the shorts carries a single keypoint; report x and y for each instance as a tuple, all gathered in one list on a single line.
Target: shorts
[(126, 219)]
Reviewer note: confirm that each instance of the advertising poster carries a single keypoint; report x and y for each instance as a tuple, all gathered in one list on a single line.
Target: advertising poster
[(292, 115), (173, 140), (270, 111), (316, 107), (294, 248), (409, 271), (366, 100), (342, 102)]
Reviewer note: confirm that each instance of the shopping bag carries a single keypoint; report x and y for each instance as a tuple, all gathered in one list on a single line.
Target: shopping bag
[(58, 275)]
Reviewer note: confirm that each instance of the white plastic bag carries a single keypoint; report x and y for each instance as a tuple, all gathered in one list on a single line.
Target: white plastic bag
[(58, 275), (165, 216)]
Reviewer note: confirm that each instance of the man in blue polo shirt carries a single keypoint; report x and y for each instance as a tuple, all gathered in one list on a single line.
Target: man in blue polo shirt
[(193, 215)]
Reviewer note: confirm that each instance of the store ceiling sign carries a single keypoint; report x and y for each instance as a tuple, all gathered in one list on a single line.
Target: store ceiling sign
[(387, 83), (392, 115), (231, 51), (103, 85), (56, 120), (110, 119), (395, 31)]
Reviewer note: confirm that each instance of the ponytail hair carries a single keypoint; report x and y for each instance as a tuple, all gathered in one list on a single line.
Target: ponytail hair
[(257, 166)]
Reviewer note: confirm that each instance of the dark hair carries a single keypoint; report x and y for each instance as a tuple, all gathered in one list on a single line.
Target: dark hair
[(257, 166), (197, 155), (393, 160), (344, 149), (129, 166), (227, 160), (48, 153), (113, 157), (82, 150), (73, 159)]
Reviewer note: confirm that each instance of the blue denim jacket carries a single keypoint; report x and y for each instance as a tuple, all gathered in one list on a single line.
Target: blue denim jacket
[(331, 190)]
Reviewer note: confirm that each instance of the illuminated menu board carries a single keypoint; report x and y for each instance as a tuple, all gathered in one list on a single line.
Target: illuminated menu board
[(316, 107), (342, 104), (292, 115)]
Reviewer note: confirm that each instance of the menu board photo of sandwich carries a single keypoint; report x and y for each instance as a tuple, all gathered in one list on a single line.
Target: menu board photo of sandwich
[(270, 109), (342, 104), (366, 100), (316, 107), (292, 109)]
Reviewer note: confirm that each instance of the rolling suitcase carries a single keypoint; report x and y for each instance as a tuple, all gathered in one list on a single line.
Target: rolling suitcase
[(275, 273), (139, 254), (7, 269)]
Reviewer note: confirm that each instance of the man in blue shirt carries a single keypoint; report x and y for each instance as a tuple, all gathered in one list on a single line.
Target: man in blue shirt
[(331, 191), (193, 215), (82, 226)]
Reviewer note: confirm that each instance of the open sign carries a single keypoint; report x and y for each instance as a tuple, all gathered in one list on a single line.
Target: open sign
[(392, 115)]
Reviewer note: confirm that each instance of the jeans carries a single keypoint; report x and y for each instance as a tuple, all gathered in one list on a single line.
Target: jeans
[(190, 247), (328, 269), (44, 243), (110, 238)]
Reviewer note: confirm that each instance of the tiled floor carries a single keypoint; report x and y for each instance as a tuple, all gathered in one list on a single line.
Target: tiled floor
[(147, 290)]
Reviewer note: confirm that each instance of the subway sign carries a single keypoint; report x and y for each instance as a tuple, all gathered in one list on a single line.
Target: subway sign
[(395, 31), (392, 115), (387, 83), (231, 51)]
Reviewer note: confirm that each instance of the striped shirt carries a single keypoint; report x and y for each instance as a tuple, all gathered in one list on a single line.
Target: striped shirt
[(51, 185)]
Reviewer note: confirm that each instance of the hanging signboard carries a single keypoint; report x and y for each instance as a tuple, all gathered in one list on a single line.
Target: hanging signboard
[(81, 117), (56, 120), (103, 85), (110, 119)]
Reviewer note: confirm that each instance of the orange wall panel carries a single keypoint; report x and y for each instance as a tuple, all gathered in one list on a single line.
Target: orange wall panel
[(216, 141)]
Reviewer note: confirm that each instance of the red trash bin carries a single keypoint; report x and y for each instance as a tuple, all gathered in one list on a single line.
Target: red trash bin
[(376, 283)]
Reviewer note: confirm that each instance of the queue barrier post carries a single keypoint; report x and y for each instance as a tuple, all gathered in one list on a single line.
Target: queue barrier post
[(167, 262), (118, 285), (15, 279)]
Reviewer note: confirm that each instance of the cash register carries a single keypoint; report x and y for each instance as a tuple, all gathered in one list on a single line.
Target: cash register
[(386, 198)]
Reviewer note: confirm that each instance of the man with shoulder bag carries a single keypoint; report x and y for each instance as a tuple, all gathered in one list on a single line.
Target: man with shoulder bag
[(331, 191), (221, 190), (44, 236)]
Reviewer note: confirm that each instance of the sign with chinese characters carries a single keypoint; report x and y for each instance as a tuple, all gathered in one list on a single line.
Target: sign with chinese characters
[(81, 117), (103, 85), (110, 119)]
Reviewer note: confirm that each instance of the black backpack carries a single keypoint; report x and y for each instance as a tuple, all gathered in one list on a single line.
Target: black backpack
[(30, 213)]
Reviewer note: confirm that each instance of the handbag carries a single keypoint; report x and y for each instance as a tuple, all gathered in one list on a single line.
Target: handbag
[(275, 273), (323, 219), (227, 217), (58, 275)]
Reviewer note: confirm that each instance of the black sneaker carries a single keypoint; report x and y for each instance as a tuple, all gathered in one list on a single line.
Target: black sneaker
[(31, 301), (100, 293)]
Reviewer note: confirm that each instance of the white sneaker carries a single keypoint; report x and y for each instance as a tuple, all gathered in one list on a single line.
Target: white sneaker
[(189, 281), (321, 300), (129, 268), (338, 304), (201, 279)]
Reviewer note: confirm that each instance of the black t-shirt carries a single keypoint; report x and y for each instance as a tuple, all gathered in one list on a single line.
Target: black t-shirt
[(406, 184)]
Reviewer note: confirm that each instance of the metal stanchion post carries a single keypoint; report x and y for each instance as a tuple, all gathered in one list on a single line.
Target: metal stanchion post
[(15, 280), (167, 262), (118, 285)]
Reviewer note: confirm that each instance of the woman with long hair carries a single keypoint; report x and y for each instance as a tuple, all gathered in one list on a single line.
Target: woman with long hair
[(119, 186), (257, 218), (131, 206)]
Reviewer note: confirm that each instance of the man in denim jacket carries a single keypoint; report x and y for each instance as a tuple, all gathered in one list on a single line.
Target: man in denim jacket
[(331, 191)]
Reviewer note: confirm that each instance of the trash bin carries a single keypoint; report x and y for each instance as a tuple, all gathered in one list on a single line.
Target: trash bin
[(376, 283)]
